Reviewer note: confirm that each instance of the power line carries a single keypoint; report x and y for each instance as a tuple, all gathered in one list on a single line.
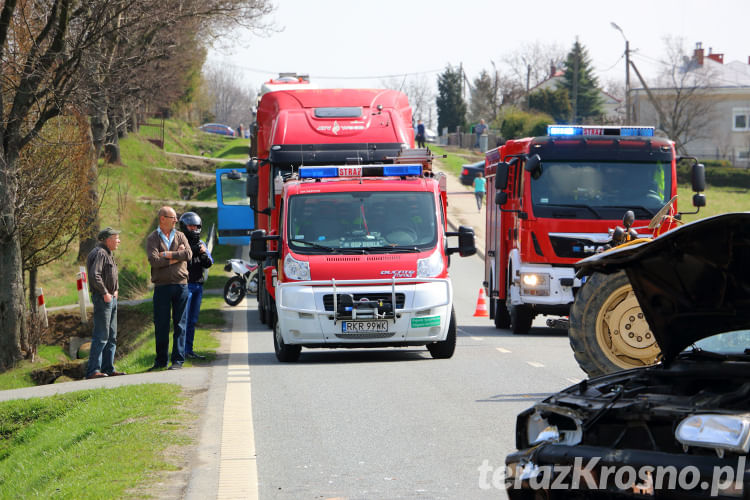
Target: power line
[(349, 77)]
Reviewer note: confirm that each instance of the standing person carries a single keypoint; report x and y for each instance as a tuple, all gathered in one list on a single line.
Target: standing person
[(420, 134), (480, 188), (190, 225), (479, 129), (168, 252), (102, 269)]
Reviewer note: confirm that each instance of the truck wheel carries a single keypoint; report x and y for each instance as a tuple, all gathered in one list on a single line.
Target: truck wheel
[(234, 290), (285, 353), (445, 349), (502, 316), (521, 318), (608, 331)]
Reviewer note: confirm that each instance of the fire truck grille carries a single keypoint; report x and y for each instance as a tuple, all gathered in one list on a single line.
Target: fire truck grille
[(575, 248), (385, 297)]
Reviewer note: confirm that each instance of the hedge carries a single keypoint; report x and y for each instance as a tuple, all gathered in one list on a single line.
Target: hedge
[(718, 173)]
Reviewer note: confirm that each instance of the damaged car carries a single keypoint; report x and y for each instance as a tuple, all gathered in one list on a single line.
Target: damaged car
[(678, 429)]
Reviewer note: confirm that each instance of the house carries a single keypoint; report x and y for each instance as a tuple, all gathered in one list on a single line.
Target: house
[(714, 121)]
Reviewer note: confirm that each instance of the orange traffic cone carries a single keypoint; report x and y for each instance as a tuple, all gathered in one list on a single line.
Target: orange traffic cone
[(482, 304)]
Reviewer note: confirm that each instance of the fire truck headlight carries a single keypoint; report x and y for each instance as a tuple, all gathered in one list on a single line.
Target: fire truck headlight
[(296, 269), (431, 266), (534, 284)]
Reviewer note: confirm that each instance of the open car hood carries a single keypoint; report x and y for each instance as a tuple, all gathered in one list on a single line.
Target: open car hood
[(692, 282)]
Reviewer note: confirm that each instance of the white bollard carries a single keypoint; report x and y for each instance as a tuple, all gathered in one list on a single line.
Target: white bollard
[(41, 309), (82, 295), (84, 275)]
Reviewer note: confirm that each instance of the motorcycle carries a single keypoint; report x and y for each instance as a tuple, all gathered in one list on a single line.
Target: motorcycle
[(245, 281)]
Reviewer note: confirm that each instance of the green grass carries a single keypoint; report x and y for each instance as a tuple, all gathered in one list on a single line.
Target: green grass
[(21, 376), (104, 443), (456, 157), (719, 200)]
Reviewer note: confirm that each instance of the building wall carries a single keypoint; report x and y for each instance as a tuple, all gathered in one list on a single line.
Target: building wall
[(721, 138)]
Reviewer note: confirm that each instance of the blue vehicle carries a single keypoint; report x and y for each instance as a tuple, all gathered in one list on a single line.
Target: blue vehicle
[(217, 128), (235, 217)]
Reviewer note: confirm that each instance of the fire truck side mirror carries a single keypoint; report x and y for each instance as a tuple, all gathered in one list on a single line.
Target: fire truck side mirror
[(698, 178), (466, 243), (699, 200), (534, 166), (501, 176), (501, 198), (251, 190), (258, 248)]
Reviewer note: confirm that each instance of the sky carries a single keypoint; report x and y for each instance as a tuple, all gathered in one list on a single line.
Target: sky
[(357, 43)]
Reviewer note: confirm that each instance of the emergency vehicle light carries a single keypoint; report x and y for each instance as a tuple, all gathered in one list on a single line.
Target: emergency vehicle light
[(563, 130), (360, 171)]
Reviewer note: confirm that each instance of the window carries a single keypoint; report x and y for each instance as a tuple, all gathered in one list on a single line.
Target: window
[(740, 119)]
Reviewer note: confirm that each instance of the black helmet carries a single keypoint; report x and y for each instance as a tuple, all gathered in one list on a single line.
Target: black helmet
[(191, 219)]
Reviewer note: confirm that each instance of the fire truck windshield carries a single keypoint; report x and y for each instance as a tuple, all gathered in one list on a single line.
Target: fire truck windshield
[(600, 189), (375, 221)]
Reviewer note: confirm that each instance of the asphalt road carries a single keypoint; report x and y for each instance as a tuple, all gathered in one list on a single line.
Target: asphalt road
[(394, 423)]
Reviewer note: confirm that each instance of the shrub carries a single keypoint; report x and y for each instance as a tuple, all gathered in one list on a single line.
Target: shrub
[(718, 173)]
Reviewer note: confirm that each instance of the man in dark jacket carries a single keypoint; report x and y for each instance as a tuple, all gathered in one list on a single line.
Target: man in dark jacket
[(190, 225), (102, 269), (168, 252)]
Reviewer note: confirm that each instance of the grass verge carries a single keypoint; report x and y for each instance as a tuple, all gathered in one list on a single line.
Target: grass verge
[(104, 443)]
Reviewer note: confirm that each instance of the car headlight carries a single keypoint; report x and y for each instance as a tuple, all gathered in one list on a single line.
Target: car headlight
[(430, 266), (547, 427), (534, 284), (723, 432), (296, 269)]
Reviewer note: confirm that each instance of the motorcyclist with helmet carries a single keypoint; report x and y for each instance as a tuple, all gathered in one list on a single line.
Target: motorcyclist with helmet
[(190, 225)]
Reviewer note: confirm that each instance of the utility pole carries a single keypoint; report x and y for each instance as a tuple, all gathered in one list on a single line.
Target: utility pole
[(627, 74), (528, 84)]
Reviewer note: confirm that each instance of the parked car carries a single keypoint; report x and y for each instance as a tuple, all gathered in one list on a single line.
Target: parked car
[(217, 128), (430, 135), (678, 429), (469, 171)]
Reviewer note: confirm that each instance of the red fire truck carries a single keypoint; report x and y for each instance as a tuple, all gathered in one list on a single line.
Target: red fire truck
[(557, 197), (352, 225)]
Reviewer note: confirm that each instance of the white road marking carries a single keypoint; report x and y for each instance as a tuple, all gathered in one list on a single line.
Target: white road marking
[(535, 364), (504, 351), (476, 338)]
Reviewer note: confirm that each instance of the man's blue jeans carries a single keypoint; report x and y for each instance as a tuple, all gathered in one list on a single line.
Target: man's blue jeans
[(104, 337), (170, 300), (194, 309)]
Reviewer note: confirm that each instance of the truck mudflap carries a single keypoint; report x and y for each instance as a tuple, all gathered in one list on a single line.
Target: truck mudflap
[(408, 311)]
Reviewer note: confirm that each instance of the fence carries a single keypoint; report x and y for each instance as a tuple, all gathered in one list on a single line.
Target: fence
[(468, 141)]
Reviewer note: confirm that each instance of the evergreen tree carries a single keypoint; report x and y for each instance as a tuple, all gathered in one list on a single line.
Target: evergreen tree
[(553, 102), (451, 107), (582, 86), (483, 98)]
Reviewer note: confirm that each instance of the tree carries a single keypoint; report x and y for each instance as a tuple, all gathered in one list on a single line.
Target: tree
[(232, 101), (48, 49), (421, 96), (534, 63), (582, 86), (483, 98), (553, 102), (688, 111), (451, 106)]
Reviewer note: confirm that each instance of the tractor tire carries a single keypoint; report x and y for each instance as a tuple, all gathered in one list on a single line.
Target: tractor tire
[(445, 349), (608, 331), (521, 318)]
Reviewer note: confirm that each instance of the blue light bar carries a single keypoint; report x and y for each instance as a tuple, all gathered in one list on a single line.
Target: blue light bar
[(400, 170), (637, 131), (318, 172), (570, 130)]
